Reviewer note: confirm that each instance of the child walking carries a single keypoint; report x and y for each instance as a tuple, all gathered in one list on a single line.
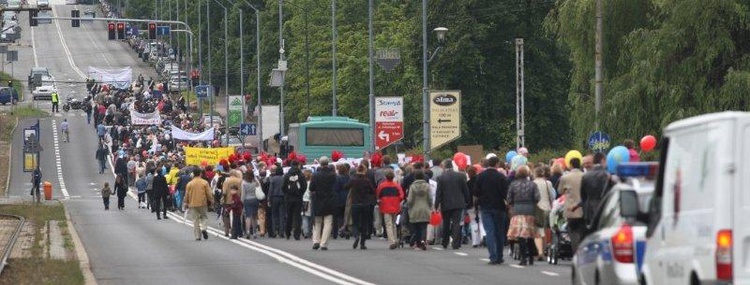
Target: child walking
[(106, 192), (236, 208)]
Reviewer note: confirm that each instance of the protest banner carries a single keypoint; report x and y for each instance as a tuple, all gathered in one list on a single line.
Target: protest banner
[(195, 155)]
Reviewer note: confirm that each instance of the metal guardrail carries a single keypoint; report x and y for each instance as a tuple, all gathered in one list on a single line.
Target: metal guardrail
[(11, 241)]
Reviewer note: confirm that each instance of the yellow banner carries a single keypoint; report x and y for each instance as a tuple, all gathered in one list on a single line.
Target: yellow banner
[(196, 155)]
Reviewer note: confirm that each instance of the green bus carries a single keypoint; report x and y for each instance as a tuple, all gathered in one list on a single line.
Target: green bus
[(320, 136)]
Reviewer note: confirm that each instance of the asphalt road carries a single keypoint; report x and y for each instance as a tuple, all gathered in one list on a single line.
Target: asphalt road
[(132, 247)]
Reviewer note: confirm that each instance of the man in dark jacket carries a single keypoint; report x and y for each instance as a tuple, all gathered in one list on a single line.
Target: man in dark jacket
[(324, 203), (101, 156), (276, 202), (450, 198), (595, 183), (182, 182), (490, 190), (294, 186), (161, 195), (121, 168)]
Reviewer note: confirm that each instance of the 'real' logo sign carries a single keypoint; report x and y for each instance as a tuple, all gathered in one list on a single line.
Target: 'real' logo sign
[(445, 99)]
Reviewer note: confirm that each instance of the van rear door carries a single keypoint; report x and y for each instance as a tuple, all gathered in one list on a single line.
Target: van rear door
[(741, 190)]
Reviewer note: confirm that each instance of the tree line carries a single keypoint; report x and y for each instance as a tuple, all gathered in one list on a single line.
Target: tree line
[(663, 60)]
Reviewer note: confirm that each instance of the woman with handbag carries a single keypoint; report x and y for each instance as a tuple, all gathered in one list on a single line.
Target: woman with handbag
[(523, 196), (543, 207), (420, 207), (250, 201)]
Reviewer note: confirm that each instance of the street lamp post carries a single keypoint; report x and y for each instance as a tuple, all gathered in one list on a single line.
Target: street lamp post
[(226, 68), (372, 74), (333, 45), (257, 51), (425, 87)]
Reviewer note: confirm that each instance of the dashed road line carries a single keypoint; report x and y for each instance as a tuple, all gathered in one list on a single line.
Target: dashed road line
[(58, 161), (517, 266), (550, 273), (461, 253)]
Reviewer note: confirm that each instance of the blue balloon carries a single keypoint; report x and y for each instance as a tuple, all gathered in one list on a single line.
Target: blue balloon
[(510, 155), (617, 155)]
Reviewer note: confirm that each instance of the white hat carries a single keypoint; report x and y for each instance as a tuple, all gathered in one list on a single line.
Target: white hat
[(490, 155)]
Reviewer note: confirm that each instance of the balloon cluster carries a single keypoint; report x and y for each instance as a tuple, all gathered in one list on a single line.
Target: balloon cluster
[(460, 160)]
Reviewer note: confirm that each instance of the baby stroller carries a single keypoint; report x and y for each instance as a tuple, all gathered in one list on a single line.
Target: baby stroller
[(402, 226), (561, 247)]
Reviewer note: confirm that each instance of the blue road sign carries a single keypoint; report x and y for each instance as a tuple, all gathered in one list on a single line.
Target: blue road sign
[(599, 142), (248, 129), (202, 91), (162, 30)]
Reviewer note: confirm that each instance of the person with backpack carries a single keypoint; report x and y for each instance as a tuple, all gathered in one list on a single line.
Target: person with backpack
[(217, 186), (233, 181), (294, 186), (150, 188)]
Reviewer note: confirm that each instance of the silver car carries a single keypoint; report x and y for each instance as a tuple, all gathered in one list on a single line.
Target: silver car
[(613, 252)]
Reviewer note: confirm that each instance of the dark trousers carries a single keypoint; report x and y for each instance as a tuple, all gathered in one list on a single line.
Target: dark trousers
[(494, 222), (576, 230), (339, 222), (120, 201), (293, 216), (528, 248), (150, 199), (106, 203), (452, 227), (419, 233), (236, 224), (141, 198), (277, 216), (361, 221), (157, 207), (55, 107)]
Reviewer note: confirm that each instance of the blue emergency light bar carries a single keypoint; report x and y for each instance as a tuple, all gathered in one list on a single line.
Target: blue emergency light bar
[(638, 169)]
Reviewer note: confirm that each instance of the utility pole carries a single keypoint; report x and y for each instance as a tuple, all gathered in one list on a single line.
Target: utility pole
[(370, 58), (520, 108), (333, 44), (598, 77), (281, 59)]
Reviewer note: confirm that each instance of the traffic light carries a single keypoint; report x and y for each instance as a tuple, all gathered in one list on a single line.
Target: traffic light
[(111, 29), (152, 31), (32, 18), (121, 31), (75, 14)]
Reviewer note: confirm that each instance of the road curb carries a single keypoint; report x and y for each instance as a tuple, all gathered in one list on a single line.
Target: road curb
[(83, 258), (10, 159)]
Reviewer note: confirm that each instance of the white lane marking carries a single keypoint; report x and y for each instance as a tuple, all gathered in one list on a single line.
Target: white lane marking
[(437, 248), (65, 46), (58, 162), (461, 253), (485, 259), (550, 273), (280, 255), (517, 266), (33, 48)]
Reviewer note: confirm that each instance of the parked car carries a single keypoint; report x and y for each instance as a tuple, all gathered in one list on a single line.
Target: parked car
[(42, 3), (217, 121), (613, 252), (8, 95), (43, 93), (178, 83)]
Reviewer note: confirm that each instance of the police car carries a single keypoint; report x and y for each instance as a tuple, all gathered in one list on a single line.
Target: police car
[(613, 252)]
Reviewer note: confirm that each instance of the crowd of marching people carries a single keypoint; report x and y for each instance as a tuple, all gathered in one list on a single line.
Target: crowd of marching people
[(450, 203)]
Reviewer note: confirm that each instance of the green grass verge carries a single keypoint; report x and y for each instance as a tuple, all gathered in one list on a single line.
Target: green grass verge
[(28, 111), (41, 271), (38, 215)]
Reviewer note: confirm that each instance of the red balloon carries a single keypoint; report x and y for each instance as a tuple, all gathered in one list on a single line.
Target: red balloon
[(648, 143), (461, 160)]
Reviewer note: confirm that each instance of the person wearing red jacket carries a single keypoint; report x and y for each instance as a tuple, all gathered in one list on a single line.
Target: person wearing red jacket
[(390, 194)]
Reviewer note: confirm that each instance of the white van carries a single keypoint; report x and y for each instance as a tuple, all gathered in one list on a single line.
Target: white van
[(699, 217)]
